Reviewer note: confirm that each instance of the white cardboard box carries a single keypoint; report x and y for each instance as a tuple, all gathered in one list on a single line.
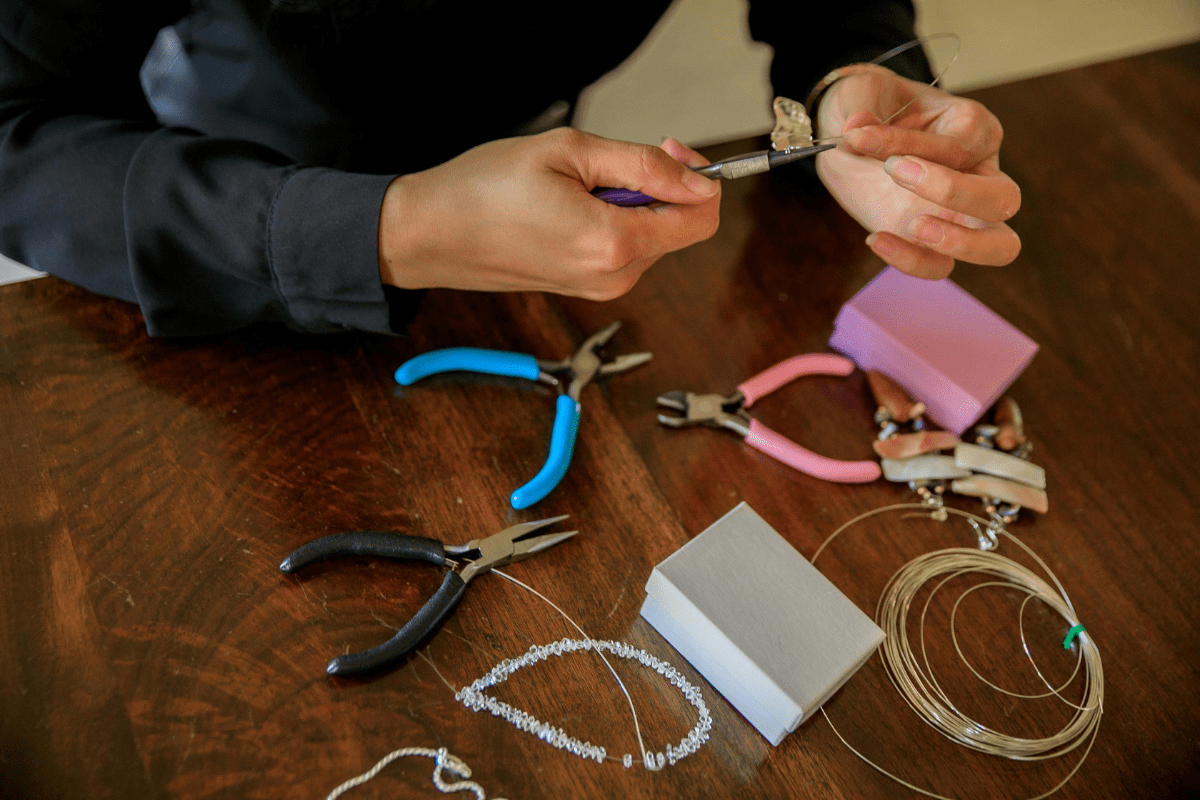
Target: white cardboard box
[(761, 623)]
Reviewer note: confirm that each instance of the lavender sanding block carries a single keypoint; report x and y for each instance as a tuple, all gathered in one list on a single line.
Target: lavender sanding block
[(758, 621), (947, 349)]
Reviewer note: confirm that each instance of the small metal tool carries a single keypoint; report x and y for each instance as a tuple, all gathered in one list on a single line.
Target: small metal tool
[(580, 369), (733, 167), (477, 556), (730, 412)]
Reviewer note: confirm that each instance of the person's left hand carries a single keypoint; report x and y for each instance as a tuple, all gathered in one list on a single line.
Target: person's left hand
[(928, 185)]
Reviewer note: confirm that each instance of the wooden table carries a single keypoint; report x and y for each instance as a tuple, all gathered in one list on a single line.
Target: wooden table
[(149, 646)]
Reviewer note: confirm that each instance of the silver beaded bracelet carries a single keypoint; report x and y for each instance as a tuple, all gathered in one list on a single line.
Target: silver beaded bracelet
[(474, 698)]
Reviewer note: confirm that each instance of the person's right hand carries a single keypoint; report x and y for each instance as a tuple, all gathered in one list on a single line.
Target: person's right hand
[(517, 214)]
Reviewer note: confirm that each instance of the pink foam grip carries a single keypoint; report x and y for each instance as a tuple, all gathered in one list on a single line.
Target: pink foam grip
[(830, 469), (766, 382)]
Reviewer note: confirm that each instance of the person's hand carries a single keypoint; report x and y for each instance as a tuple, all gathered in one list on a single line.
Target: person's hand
[(928, 185), (517, 214)]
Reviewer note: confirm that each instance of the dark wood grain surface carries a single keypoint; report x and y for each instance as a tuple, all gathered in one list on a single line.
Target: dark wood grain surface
[(149, 646)]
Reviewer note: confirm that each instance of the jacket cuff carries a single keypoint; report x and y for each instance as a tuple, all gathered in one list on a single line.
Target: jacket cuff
[(323, 252)]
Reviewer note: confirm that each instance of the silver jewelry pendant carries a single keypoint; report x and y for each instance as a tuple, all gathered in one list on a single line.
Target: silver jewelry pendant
[(793, 128)]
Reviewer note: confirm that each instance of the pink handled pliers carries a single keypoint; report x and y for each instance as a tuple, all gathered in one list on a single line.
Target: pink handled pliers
[(730, 412)]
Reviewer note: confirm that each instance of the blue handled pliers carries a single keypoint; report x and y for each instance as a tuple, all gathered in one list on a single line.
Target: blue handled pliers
[(580, 369)]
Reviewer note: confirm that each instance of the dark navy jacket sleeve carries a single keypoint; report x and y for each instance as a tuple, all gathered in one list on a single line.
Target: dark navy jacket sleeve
[(206, 234), (214, 221)]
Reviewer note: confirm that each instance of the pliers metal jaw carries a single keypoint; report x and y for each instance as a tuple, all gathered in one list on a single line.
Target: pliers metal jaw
[(713, 410), (570, 375), (477, 556), (730, 412), (586, 364)]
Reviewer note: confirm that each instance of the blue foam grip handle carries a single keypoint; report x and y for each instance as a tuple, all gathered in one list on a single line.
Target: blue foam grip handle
[(469, 359), (562, 446), (622, 197)]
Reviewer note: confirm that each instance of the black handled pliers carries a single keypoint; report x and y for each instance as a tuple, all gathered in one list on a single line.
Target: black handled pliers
[(477, 557)]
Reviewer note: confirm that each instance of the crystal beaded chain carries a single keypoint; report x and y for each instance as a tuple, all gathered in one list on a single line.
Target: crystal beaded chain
[(474, 698)]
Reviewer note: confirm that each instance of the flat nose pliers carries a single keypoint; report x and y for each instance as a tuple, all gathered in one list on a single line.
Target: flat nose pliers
[(730, 412), (579, 369), (478, 556)]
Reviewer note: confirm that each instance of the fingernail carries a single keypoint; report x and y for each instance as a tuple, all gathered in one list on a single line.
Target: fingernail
[(884, 248), (928, 231), (904, 170), (698, 184), (864, 140)]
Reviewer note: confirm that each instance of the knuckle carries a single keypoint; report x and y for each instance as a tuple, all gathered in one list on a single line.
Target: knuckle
[(604, 251), (611, 289), (943, 189), (566, 140), (648, 160)]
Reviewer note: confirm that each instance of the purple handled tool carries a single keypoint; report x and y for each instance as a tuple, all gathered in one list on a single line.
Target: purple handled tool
[(733, 167)]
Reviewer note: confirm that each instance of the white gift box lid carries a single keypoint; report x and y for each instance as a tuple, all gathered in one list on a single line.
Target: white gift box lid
[(758, 621)]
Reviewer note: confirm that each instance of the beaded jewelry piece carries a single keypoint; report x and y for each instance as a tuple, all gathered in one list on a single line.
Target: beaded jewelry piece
[(474, 698), (443, 759)]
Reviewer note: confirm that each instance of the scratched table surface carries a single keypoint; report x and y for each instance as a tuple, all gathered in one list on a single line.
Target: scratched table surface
[(150, 647)]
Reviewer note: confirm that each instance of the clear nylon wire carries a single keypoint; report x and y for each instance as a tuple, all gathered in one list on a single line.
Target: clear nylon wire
[(920, 41), (636, 726), (914, 679)]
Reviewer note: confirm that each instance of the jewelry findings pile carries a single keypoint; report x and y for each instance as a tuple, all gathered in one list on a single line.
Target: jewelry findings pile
[(475, 698)]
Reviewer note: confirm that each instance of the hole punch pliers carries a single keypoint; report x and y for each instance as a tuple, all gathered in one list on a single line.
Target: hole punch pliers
[(477, 556), (579, 370), (730, 412)]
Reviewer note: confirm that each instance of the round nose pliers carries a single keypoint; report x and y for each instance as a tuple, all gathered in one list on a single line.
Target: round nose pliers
[(477, 556), (730, 412), (579, 369)]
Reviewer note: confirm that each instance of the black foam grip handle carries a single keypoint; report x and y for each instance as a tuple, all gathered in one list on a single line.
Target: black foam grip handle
[(365, 543), (420, 626)]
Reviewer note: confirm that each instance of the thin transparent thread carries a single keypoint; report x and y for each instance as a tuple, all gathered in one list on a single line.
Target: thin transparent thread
[(920, 689), (636, 726), (895, 51)]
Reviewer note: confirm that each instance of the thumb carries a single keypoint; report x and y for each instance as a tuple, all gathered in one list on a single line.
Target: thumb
[(646, 169), (860, 119)]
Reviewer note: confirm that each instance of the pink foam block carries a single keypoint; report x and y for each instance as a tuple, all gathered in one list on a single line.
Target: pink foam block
[(947, 349)]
